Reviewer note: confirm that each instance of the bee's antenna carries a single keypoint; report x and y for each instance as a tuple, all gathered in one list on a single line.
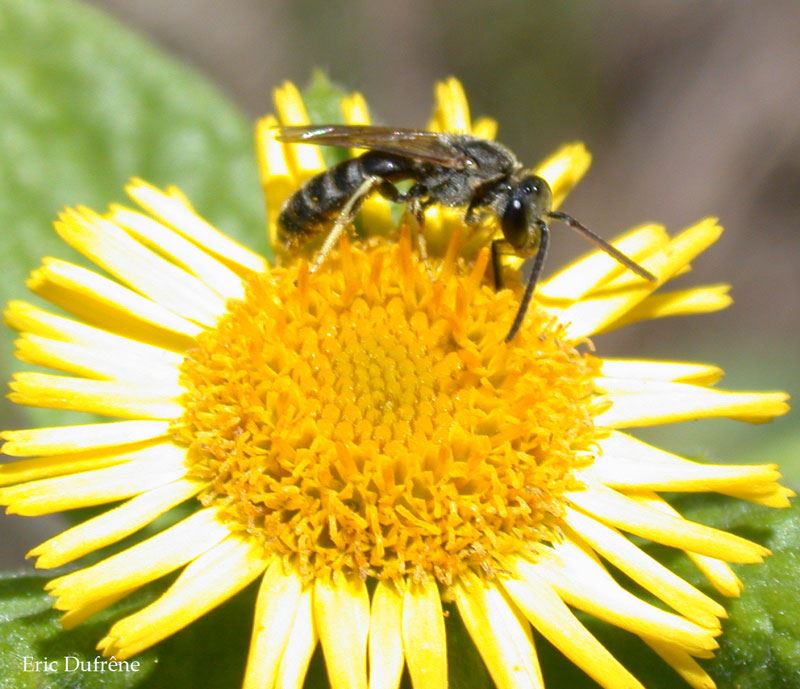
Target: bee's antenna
[(538, 262), (603, 244)]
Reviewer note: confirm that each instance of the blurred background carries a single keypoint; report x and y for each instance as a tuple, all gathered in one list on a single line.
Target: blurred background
[(690, 109)]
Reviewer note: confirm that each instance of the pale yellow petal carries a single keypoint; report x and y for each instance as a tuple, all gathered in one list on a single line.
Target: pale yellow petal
[(305, 161), (300, 646), (500, 633), (108, 398), (189, 256), (564, 169), (113, 525), (214, 577), (598, 310), (687, 302), (29, 318), (276, 607), (582, 582), (376, 212), (144, 562), (630, 515), (94, 361), (39, 468), (386, 637), (141, 269), (424, 635), (451, 113), (718, 573), (596, 267), (648, 403), (109, 305), (686, 666), (627, 462), (645, 570), (485, 128), (277, 178), (643, 369), (550, 616), (175, 212), (71, 619), (68, 439), (341, 616), (152, 467)]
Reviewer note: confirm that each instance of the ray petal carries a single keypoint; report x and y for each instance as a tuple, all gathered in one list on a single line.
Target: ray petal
[(300, 646), (278, 599), (341, 616), (552, 618), (643, 369), (424, 635), (564, 169), (386, 637), (680, 661), (144, 562), (113, 525), (305, 161), (500, 633), (212, 578)]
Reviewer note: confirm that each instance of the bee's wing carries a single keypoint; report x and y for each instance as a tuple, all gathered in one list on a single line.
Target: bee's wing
[(411, 143)]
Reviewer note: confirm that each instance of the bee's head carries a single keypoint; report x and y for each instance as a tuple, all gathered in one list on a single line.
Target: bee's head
[(529, 201)]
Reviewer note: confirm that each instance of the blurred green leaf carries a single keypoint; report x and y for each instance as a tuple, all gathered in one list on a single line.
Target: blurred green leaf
[(85, 105)]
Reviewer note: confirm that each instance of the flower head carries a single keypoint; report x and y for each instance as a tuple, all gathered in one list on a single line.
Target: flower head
[(365, 441)]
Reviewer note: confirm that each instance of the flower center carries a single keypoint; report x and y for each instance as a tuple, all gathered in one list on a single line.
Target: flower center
[(371, 419)]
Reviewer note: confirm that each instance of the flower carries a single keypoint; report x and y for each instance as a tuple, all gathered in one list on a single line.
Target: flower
[(364, 441)]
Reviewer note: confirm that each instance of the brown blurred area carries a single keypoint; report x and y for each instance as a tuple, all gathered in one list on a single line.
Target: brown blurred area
[(690, 109)]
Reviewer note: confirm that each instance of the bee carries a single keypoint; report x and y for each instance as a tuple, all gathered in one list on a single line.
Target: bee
[(454, 170)]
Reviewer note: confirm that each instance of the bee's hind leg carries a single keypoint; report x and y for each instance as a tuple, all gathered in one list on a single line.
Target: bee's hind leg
[(346, 216)]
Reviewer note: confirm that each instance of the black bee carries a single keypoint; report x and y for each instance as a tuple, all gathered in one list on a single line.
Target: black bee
[(451, 169)]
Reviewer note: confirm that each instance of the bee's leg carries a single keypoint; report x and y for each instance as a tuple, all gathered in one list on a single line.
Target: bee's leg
[(500, 248), (538, 262), (346, 216)]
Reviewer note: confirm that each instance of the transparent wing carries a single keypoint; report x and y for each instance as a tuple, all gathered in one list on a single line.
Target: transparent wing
[(412, 143)]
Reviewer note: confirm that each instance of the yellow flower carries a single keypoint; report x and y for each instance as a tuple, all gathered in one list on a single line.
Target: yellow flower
[(364, 441)]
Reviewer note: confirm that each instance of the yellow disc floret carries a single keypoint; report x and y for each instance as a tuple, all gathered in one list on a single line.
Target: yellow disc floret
[(370, 418)]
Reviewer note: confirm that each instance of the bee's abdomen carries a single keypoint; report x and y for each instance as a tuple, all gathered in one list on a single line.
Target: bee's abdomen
[(322, 198)]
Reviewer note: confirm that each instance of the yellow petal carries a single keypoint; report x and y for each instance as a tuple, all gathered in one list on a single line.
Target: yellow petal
[(582, 582), (305, 161), (300, 646), (564, 169), (141, 269), (153, 466), (109, 305), (276, 607), (113, 525), (176, 213), (718, 573), (69, 463), (647, 403), (93, 361), (500, 633), (627, 462), (341, 616), (630, 515), (645, 570), (687, 302), (597, 311), (550, 616), (451, 113), (596, 267), (642, 369), (424, 635), (209, 580), (686, 666), (144, 562), (485, 128), (109, 398), (386, 637), (169, 243), (67, 439), (277, 178), (29, 318)]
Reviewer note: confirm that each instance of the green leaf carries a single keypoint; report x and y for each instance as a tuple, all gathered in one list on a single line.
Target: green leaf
[(84, 106)]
